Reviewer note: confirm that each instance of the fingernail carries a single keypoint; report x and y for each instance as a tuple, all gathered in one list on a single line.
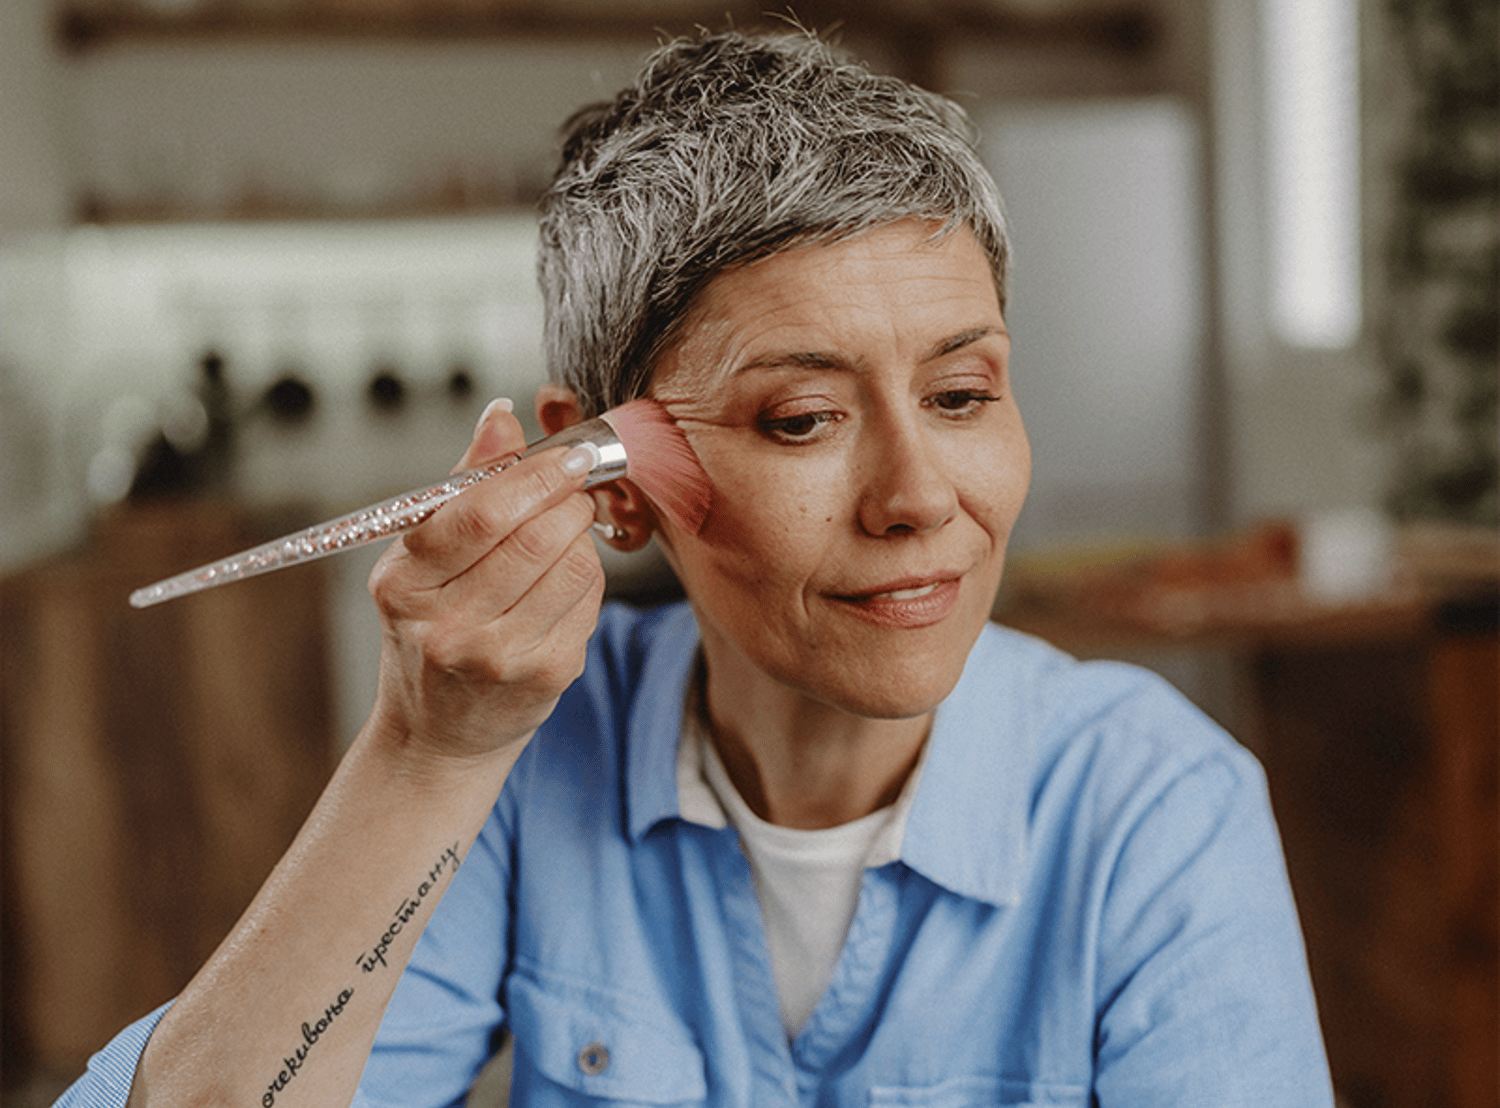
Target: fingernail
[(501, 404), (582, 458)]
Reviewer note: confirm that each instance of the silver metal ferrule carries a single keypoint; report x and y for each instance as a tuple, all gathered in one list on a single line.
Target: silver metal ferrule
[(596, 433)]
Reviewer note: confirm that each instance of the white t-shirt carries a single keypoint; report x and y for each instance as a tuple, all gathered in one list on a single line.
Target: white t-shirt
[(807, 881)]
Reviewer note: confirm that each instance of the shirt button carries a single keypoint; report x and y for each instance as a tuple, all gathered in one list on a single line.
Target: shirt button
[(594, 1059)]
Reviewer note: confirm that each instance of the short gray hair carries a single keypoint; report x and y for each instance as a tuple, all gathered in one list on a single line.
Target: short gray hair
[(729, 148)]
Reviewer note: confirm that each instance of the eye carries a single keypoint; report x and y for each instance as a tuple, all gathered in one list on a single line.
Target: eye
[(960, 402), (799, 428)]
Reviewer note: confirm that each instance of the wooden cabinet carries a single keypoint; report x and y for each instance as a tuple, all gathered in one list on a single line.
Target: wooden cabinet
[(1382, 759), (155, 765)]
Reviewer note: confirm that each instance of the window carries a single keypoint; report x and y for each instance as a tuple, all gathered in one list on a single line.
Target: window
[(1311, 53)]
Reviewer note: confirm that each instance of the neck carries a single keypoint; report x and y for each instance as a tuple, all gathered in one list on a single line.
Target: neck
[(801, 763)]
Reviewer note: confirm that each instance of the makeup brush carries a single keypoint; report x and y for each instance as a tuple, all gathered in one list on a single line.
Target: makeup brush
[(638, 439)]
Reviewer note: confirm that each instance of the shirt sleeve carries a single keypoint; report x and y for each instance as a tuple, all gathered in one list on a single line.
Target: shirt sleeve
[(111, 1072), (444, 1021), (1204, 993)]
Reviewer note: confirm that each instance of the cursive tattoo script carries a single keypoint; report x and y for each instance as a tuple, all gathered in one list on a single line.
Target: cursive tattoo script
[(367, 960), (311, 1033)]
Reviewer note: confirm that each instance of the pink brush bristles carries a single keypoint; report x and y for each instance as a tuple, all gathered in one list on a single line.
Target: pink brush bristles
[(662, 463)]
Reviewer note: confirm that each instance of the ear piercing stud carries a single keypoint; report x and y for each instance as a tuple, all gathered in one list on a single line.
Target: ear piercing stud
[(606, 531)]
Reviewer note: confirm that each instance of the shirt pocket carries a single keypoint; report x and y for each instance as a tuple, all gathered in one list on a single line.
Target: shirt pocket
[(979, 1092), (604, 1045)]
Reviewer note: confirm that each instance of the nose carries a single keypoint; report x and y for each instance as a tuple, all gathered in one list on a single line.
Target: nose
[(908, 488)]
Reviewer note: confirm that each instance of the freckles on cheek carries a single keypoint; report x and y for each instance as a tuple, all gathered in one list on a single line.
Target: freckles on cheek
[(766, 518), (765, 509)]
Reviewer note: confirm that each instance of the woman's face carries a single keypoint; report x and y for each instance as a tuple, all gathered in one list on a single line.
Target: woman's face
[(851, 406)]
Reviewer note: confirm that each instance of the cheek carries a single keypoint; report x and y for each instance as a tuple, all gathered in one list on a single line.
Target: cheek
[(1019, 456), (1005, 472), (773, 497), (768, 523)]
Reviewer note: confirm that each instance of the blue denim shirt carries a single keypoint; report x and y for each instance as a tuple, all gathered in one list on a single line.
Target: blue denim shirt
[(1090, 907)]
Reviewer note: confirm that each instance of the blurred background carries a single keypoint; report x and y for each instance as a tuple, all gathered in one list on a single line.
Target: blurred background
[(264, 261)]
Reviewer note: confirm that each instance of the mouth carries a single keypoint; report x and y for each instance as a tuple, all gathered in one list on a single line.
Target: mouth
[(905, 604)]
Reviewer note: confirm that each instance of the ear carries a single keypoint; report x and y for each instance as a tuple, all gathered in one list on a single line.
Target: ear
[(619, 503), (557, 408)]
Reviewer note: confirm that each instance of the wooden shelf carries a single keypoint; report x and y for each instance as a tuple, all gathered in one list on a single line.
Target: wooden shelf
[(1124, 26), (94, 210)]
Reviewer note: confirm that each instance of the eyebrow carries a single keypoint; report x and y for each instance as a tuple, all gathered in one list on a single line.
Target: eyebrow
[(962, 339), (816, 359)]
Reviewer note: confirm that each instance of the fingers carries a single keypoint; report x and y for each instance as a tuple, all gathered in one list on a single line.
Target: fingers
[(535, 561), (488, 605), (513, 545), (511, 508), (537, 640), (471, 525)]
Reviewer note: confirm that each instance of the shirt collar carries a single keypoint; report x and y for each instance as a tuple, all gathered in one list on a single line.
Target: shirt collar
[(655, 722), (966, 828)]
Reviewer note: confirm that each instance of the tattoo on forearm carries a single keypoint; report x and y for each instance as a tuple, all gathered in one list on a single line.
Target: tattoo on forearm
[(367, 960), (311, 1033)]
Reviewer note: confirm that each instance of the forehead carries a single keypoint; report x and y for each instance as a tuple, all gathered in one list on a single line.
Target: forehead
[(905, 249), (898, 282)]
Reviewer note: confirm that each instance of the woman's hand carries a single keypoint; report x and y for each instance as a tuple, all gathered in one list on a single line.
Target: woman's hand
[(486, 608)]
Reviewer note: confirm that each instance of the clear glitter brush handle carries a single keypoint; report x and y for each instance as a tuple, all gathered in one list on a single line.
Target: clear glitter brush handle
[(378, 521)]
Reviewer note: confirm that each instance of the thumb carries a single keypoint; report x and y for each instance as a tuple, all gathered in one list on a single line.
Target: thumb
[(497, 434)]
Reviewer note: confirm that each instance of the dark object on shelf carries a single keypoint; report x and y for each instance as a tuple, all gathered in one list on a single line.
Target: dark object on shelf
[(164, 470), (460, 383), (217, 397), (386, 391), (197, 456), (290, 400)]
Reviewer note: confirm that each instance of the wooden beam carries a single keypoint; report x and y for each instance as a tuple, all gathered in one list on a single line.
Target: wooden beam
[(913, 33)]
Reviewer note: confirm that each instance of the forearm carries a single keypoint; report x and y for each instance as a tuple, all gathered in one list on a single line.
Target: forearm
[(286, 1010)]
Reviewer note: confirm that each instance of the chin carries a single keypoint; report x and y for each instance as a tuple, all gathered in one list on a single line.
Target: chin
[(891, 688)]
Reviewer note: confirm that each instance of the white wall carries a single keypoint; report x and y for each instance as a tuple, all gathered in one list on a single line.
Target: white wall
[(1108, 312), (347, 125), (91, 318), (34, 184)]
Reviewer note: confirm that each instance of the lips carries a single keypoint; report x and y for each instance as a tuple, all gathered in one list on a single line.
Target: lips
[(904, 604)]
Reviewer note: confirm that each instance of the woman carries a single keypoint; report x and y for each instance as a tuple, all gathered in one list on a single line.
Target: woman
[(822, 835)]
